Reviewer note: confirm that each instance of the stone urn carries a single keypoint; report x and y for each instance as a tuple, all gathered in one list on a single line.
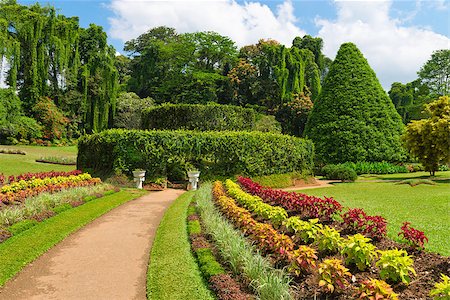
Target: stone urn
[(139, 177), (193, 176)]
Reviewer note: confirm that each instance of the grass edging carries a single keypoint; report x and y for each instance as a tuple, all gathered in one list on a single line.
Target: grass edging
[(23, 248), (173, 272)]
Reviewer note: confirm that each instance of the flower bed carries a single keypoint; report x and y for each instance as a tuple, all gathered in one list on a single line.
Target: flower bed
[(41, 175), (220, 281), (18, 191), (360, 255)]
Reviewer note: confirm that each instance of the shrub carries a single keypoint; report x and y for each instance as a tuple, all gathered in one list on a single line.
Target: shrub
[(441, 289), (366, 167), (414, 237), (208, 264), (333, 275), (358, 251), (213, 153), (199, 117), (302, 260), (371, 289), (52, 119), (353, 119), (395, 265), (329, 239), (371, 226), (307, 231), (129, 109), (267, 123), (339, 172)]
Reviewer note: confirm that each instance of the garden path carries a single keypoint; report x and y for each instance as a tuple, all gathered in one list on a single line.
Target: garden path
[(106, 259)]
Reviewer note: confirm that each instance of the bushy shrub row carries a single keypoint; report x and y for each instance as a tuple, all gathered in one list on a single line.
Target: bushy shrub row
[(339, 172), (203, 118), (166, 153), (364, 167)]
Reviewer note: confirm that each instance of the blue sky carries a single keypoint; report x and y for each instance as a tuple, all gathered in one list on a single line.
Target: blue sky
[(396, 37)]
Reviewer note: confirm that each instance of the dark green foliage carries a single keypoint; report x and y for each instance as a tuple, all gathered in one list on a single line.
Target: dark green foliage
[(208, 263), (199, 117), (13, 124), (129, 110), (180, 68), (52, 119), (339, 172), (213, 153), (194, 227), (265, 123), (365, 167), (354, 119), (435, 73), (293, 114), (21, 226)]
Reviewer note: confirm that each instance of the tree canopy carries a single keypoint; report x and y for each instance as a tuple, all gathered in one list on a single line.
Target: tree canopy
[(429, 139), (353, 119)]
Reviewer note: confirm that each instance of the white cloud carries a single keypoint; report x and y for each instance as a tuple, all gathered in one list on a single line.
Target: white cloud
[(244, 23), (394, 51)]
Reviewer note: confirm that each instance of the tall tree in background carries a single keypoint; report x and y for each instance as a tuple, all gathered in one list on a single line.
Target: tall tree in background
[(49, 55), (354, 119), (435, 74), (434, 81), (186, 68)]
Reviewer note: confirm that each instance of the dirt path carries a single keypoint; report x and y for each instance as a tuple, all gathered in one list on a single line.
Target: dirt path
[(317, 184), (107, 259)]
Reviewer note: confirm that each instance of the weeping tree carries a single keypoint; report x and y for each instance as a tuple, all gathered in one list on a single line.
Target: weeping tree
[(42, 50)]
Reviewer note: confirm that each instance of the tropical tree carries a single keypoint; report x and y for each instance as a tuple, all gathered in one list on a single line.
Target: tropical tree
[(353, 119), (435, 73), (429, 139)]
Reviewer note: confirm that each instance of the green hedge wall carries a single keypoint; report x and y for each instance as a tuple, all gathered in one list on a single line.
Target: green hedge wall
[(199, 117), (166, 153)]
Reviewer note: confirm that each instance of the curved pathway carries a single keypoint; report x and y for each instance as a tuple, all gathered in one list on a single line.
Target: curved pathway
[(106, 259)]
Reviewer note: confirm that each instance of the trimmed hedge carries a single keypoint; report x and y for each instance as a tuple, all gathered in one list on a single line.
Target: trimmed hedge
[(164, 153), (199, 117)]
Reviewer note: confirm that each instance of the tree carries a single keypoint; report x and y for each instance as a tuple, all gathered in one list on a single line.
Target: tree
[(429, 139), (129, 110), (435, 73), (354, 119), (183, 68)]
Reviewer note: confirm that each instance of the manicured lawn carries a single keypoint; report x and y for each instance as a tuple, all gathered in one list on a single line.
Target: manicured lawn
[(402, 176), (17, 251), (173, 272), (14, 164), (427, 207)]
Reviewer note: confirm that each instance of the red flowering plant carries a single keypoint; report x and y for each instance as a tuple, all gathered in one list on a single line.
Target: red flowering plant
[(415, 238), (307, 206), (42, 175), (370, 226)]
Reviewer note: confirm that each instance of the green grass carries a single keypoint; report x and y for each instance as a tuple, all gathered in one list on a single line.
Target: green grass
[(173, 272), (15, 164), (401, 176), (21, 249), (425, 206)]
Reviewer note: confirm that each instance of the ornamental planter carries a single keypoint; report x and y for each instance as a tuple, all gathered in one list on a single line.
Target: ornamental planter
[(193, 179), (139, 177)]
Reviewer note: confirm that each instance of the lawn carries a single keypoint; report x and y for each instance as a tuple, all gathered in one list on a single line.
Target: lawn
[(427, 207), (173, 272), (15, 164), (402, 176)]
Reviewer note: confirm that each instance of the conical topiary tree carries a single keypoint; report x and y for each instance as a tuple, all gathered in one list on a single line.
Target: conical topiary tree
[(353, 118)]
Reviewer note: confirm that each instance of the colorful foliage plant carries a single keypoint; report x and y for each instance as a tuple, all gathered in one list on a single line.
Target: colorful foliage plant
[(333, 275), (269, 240), (373, 289), (414, 237), (41, 175), (307, 206), (371, 226), (21, 190)]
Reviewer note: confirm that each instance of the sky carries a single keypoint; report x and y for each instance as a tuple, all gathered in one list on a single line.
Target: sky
[(396, 37)]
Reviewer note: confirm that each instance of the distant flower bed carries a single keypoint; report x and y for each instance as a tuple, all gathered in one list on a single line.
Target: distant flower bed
[(69, 161), (12, 151)]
